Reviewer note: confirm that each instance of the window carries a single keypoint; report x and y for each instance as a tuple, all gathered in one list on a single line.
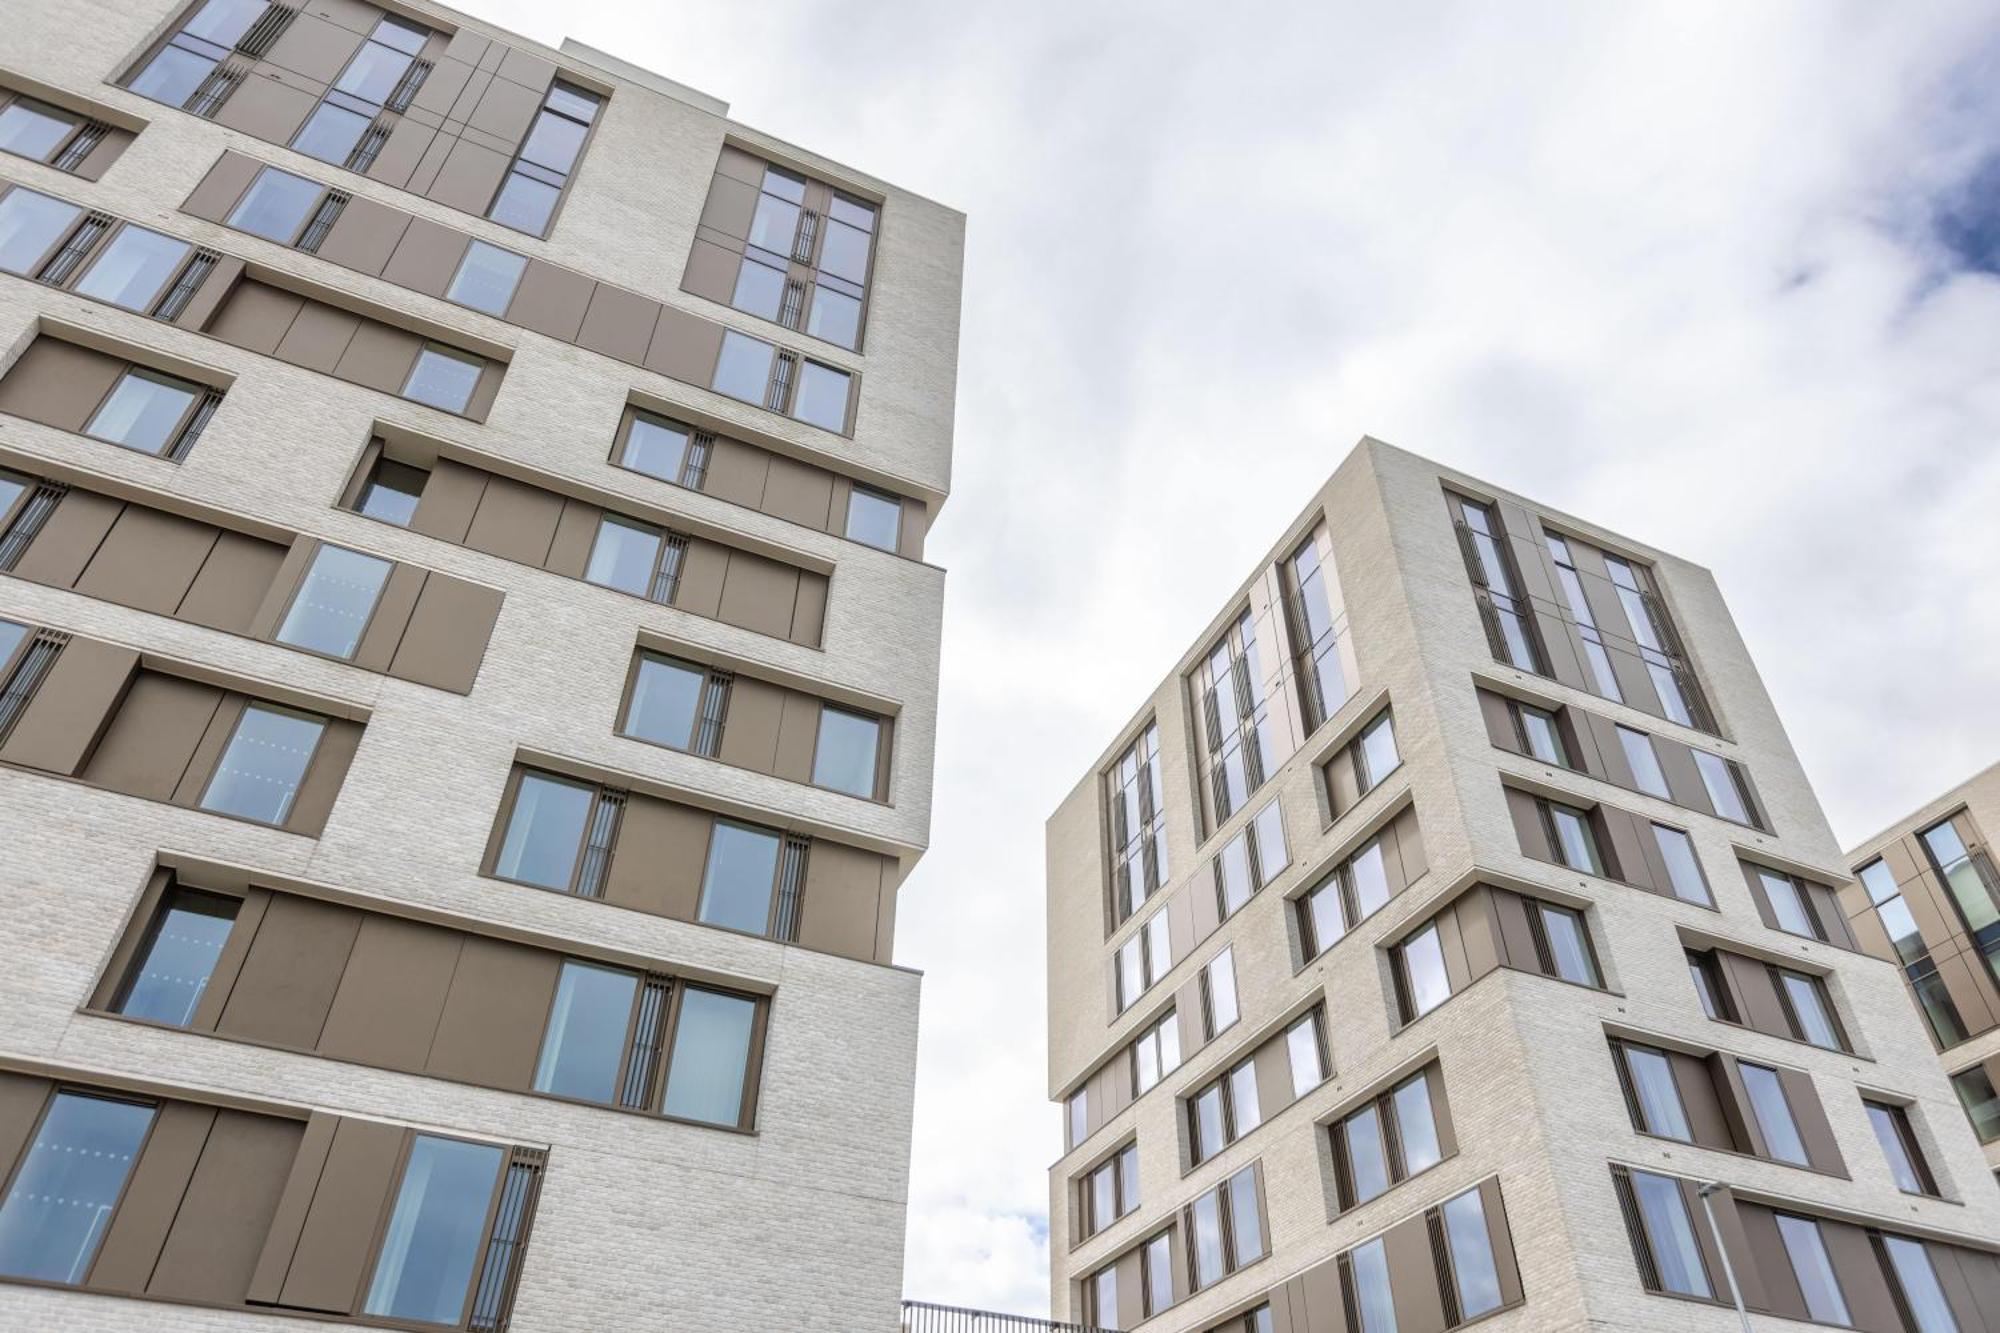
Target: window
[(1305, 1051), (1810, 1012), (1251, 859), (34, 129), (1981, 1101), (1421, 979), (743, 368), (874, 519), (1103, 1289), (1789, 906), (1319, 626), (1375, 755), (1144, 959), (845, 758), (1917, 1282), (1724, 783), (1227, 1229), (1970, 880), (1507, 629), (30, 223), (1246, 1223), (1111, 1190), (1138, 824), (276, 205), (665, 449), (436, 1232), (584, 1044), (1573, 838), (1706, 972), (1659, 645), (1683, 868), (527, 197), (1240, 745), (1541, 736), (1156, 1267), (784, 233), (486, 278), (625, 556), (443, 379), (737, 884), (545, 831), (333, 604), (1654, 1097), (146, 411), (1374, 1299), (673, 703), (1670, 1257), (1386, 1141), (1224, 1111), (1814, 1270), (134, 268), (331, 133), (1352, 892), (11, 633), (1077, 1116), (1156, 1053), (1645, 763), (384, 73), (821, 398), (392, 492), (1473, 1273), (1570, 954), (263, 764), (1604, 679), (1218, 991), (177, 957), (67, 1185), (706, 1074), (1898, 1138), (1774, 1113)]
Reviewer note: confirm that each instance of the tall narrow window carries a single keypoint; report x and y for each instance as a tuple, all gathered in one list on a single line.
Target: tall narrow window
[(1602, 676), (1683, 867), (59, 1206), (261, 768), (1493, 579), (1077, 1116), (1574, 839), (821, 399), (436, 1231), (1351, 893), (1156, 1053), (737, 884), (1388, 1140), (1724, 786), (1667, 1233), (1656, 1098), (372, 79), (1813, 1268), (1319, 625), (1210, 1257), (1474, 1274), (706, 1077), (1659, 646), (1541, 737), (1374, 1296), (1306, 1053), (1375, 754), (178, 957), (1898, 1140), (1103, 1289), (1644, 762), (626, 556), (527, 197), (1971, 883), (1810, 1009), (1788, 903), (1706, 973), (1156, 1265), (845, 757), (1569, 944), (333, 604), (666, 701), (584, 1043), (1240, 745), (1917, 1282), (1138, 824), (1419, 963), (1218, 988), (1773, 1111), (1416, 1124)]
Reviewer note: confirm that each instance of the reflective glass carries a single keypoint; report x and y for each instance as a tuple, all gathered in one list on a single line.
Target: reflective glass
[(711, 1056), (131, 270), (1222, 991), (844, 252), (1378, 751), (1302, 1051), (443, 379), (573, 102), (524, 203), (1373, 1299), (1670, 1234), (1323, 906), (172, 75), (1774, 1114), (1810, 1007), (1246, 1226), (1232, 868), (170, 977), (624, 557), (487, 277), (1930, 1312), (225, 21), (1884, 1121), (666, 699), (1472, 1265), (374, 72), (1370, 879), (1645, 763), (1367, 1157), (1660, 1110), (656, 447), (545, 831), (1416, 1125), (737, 883), (1568, 945), (1574, 841), (1813, 1268), (143, 412), (1208, 1254), (874, 519), (585, 1039), (33, 129), (68, 1185), (835, 316), (760, 289), (1208, 1130), (553, 142), (262, 767), (436, 1232), (743, 370), (1243, 1106), (330, 133), (844, 759), (393, 493), (1721, 786), (821, 399), (1981, 1101), (1423, 965), (775, 224), (1268, 828), (11, 634), (1786, 906), (1683, 870), (29, 224), (276, 205), (334, 603)]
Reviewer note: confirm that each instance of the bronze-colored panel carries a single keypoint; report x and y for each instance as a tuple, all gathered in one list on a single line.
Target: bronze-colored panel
[(384, 631), (447, 635), (798, 492), (109, 149), (1758, 897), (232, 583), (551, 300), (750, 736), (1413, 1277), (152, 1196), (730, 206), (684, 347), (658, 863), (451, 497), (71, 708), (1970, 986), (255, 317), (1499, 721), (916, 525), (736, 164), (703, 569), (270, 612), (842, 900), (1494, 926), (212, 294), (226, 1213), (291, 973), (408, 144), (208, 750), (1683, 779), (281, 1240), (1206, 907), (515, 521), (527, 69), (1343, 786), (318, 337), (1822, 1150), (68, 539), (228, 964), (576, 534), (337, 745), (266, 109), (427, 257), (798, 738), (1629, 838), (759, 595), (1757, 999), (21, 1102), (1605, 755), (391, 994), (148, 560), (470, 175), (151, 740), (364, 236), (314, 47), (505, 109), (1527, 817), (737, 472), (1505, 1264), (1706, 1119), (378, 357), (485, 389), (339, 1231), (448, 79), (58, 383), (1271, 1066), (711, 270), (1451, 945), (490, 1032), (1862, 1283), (619, 323), (1826, 903)]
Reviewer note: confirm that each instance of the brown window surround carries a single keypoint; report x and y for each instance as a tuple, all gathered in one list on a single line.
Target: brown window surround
[(1796, 903), (1104, 1191), (1682, 1093), (232, 1203), (1413, 1265), (1362, 875), (76, 379), (447, 129), (488, 504), (69, 133), (1258, 1084), (1395, 1131), (1740, 988), (1174, 1031), (1483, 928), (1361, 764), (1144, 1280), (275, 315), (158, 553), (1558, 828), (345, 977), (113, 717)]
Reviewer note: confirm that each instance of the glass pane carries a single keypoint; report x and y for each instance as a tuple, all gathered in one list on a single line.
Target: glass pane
[(1975, 897), (624, 557), (1269, 830), (1373, 1299), (266, 760), (334, 603), (1243, 1106), (573, 102), (1323, 906), (1929, 1310), (33, 129), (401, 34), (436, 1231), (1683, 870), (585, 1040), (544, 832), (1808, 1004), (1981, 1101), (656, 447), (1222, 990), (131, 270), (666, 698), (443, 380), (845, 757), (173, 75), (1568, 946), (1103, 1196), (1573, 840), (775, 224), (63, 1196), (1783, 895), (1721, 786), (874, 518), (1471, 1255), (1367, 1160), (1660, 1110), (1104, 1296), (393, 492), (844, 253), (784, 184), (1079, 1117), (276, 205), (743, 370), (167, 982), (1158, 1259), (1670, 1234), (374, 72), (1704, 987), (1370, 880), (143, 412), (853, 212), (525, 204), (1813, 1269), (225, 21), (760, 289), (554, 142), (736, 886), (29, 224), (1131, 977), (835, 316), (1378, 751), (1208, 1265), (1302, 1050), (486, 278), (11, 633), (1128, 1179), (1774, 1114), (1208, 1133), (1246, 1227), (821, 399), (1233, 869), (1423, 966), (1644, 761), (1416, 1127), (710, 1058), (330, 133), (1895, 1151)]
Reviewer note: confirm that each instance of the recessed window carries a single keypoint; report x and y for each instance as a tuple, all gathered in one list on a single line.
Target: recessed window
[(525, 203), (276, 205), (435, 1234), (821, 399), (1917, 1280), (333, 604), (132, 270), (1103, 1288), (1375, 755), (1788, 904), (11, 634), (33, 129), (845, 757), (1391, 1138), (874, 519), (1981, 1101), (1374, 1298), (585, 1040), (1725, 792), (1319, 623), (68, 1184), (760, 288), (29, 224), (392, 492), (711, 1057), (659, 448), (1471, 1244), (1807, 999), (1969, 882), (1774, 1114), (1813, 1269), (1420, 959), (487, 277), (1644, 762), (171, 974), (1367, 1154), (263, 764), (527, 199), (1898, 1140), (443, 379), (666, 702), (737, 882), (1306, 1054), (1156, 1053), (545, 831), (1683, 868), (624, 557), (1156, 1267), (330, 133), (1540, 735), (1569, 944), (173, 74), (1491, 570), (835, 316), (1351, 893), (1575, 842), (144, 411), (1218, 988), (1669, 1235), (1655, 1095)]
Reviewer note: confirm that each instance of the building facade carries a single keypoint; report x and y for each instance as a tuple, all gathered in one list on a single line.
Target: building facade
[(1926, 897), (1453, 938), (467, 682)]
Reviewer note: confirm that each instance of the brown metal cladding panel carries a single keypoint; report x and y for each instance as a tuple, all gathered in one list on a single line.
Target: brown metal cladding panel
[(735, 164), (1319, 1294), (916, 525), (408, 144), (1452, 945), (391, 994), (506, 108), (255, 317), (842, 901), (485, 390), (108, 151), (737, 472), (1413, 1277), (214, 292), (730, 206), (469, 176), (711, 270), (318, 337), (1751, 986), (68, 539), (531, 71), (445, 82), (750, 735), (885, 918), (1755, 883), (426, 258), (71, 707), (425, 174), (1821, 1148), (233, 582), (703, 569), (1971, 988), (58, 384), (281, 1240), (153, 1194), (1505, 1264), (1683, 779), (1131, 1291), (270, 612), (1606, 749), (618, 323), (1827, 903), (1271, 1066), (266, 109), (364, 236), (684, 347), (657, 864), (1930, 906), (21, 1102), (551, 300), (759, 595), (1206, 908), (1112, 1090), (450, 500), (798, 737), (150, 742), (1763, 1271), (1499, 721), (390, 618), (1972, 1287), (291, 973), (340, 1226), (1706, 1119), (1560, 645), (1862, 1283), (490, 1032), (576, 534), (447, 635), (378, 357), (475, 88), (315, 48), (809, 613), (1630, 838), (515, 521), (148, 560), (798, 492), (322, 781), (226, 1214), (1528, 828), (1510, 919), (1187, 1013)]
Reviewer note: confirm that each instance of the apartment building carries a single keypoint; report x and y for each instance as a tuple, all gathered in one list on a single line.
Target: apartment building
[(1926, 897), (1453, 938), (467, 682)]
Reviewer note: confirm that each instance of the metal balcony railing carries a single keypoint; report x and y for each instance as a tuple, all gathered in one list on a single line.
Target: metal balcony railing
[(923, 1317)]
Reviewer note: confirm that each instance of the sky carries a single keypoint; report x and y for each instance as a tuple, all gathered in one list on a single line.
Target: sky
[(1721, 276)]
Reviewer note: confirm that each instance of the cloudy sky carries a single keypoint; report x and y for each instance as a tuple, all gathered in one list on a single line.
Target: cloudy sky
[(1720, 275)]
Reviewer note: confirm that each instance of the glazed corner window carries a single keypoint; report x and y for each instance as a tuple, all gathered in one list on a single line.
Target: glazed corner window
[(545, 831), (1482, 542), (171, 973), (443, 379), (1375, 754), (133, 269), (1898, 1139), (665, 449), (1683, 867), (1977, 1094), (30, 224), (276, 206), (392, 492), (68, 1184), (739, 879), (707, 1071), (34, 129), (874, 519), (1422, 982), (148, 412), (845, 757), (1319, 626), (1724, 785), (1670, 1256), (334, 602), (1473, 1273), (584, 1043), (263, 764), (436, 1232), (527, 197), (486, 278)]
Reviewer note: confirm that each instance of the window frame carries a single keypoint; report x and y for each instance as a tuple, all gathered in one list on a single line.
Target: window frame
[(183, 434), (1384, 1105), (320, 548), (1901, 1127), (695, 458), (601, 797), (252, 703), (1405, 988)]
